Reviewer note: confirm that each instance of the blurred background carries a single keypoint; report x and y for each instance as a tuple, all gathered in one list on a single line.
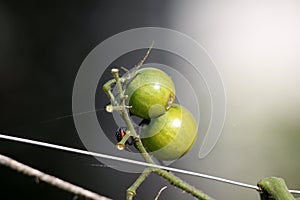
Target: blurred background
[(255, 45)]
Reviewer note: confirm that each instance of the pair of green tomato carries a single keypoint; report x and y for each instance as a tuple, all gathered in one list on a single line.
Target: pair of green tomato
[(172, 129)]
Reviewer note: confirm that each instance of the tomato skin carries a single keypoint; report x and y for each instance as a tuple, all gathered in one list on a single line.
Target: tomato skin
[(150, 93), (171, 135)]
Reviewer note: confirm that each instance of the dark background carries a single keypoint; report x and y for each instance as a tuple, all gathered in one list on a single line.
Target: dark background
[(42, 46), (255, 46)]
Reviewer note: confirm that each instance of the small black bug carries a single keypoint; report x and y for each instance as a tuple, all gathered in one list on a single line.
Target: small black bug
[(121, 132)]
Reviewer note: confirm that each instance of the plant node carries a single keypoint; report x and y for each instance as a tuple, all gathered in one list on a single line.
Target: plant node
[(120, 146), (109, 108), (114, 70)]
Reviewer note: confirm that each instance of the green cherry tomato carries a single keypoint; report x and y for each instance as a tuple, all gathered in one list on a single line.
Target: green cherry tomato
[(150, 93), (171, 135)]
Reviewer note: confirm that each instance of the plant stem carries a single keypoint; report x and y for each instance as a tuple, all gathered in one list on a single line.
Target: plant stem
[(131, 192), (29, 171), (118, 83), (128, 122), (145, 57), (107, 90), (273, 188)]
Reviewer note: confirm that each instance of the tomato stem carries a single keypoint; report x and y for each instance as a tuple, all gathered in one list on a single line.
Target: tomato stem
[(131, 192), (274, 188)]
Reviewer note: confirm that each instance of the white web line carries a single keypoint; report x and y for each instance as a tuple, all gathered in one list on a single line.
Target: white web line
[(83, 152)]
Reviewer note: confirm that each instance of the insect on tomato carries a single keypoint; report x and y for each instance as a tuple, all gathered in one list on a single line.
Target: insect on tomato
[(150, 93), (120, 133)]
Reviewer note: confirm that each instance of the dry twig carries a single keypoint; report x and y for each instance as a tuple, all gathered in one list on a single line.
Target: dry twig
[(29, 171)]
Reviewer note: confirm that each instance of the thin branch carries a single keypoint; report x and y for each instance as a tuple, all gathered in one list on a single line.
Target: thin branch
[(56, 182), (145, 57), (159, 193), (131, 192)]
